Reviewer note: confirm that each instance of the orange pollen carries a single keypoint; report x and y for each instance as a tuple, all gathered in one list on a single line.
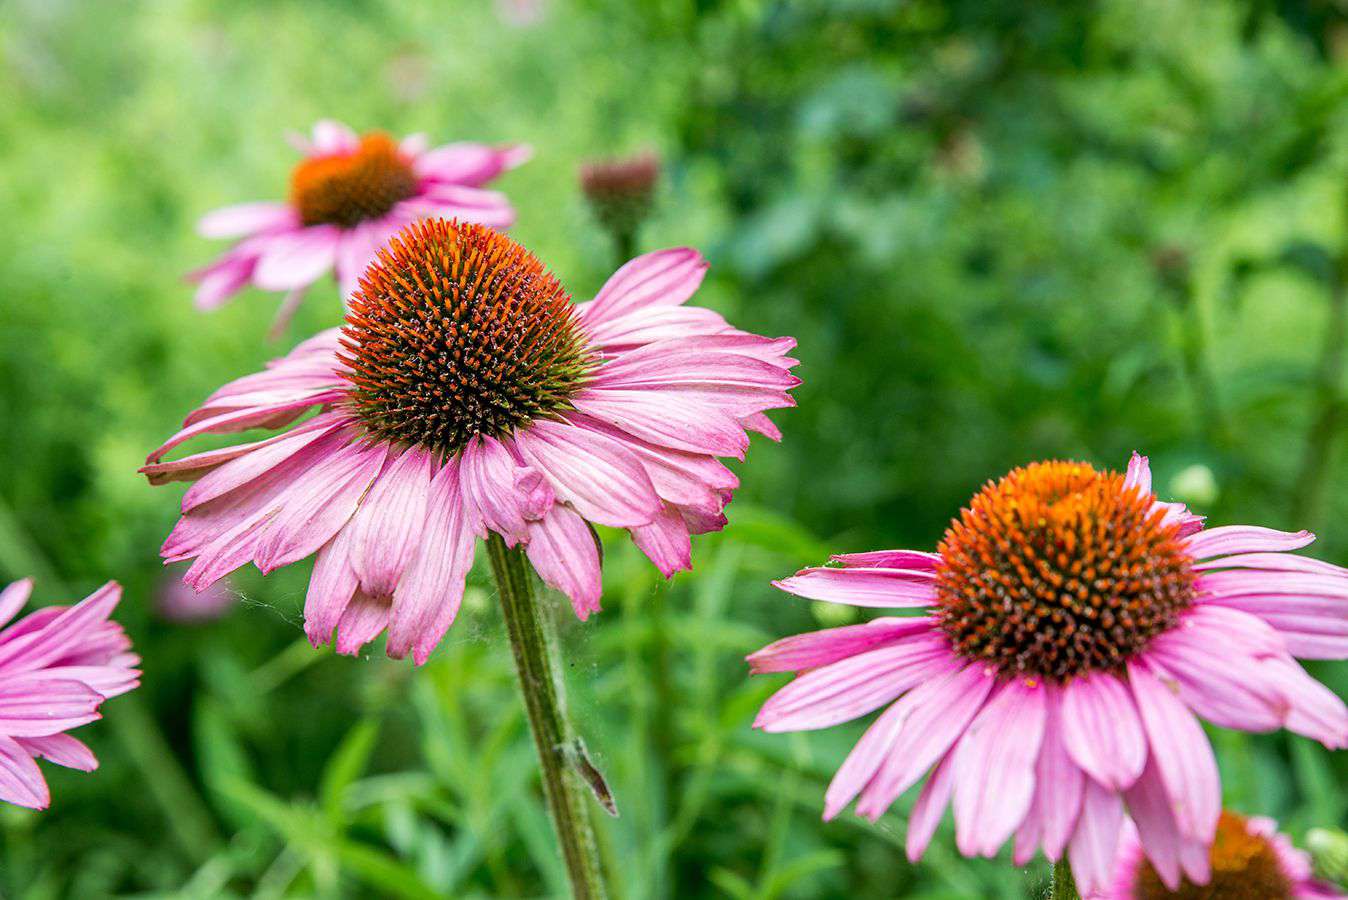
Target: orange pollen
[(1245, 866), (347, 188), (1057, 570), (456, 331)]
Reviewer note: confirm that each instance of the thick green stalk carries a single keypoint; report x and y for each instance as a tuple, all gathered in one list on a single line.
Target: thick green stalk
[(533, 640), (1063, 887)]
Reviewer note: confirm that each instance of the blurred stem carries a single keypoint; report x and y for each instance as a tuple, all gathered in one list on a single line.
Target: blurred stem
[(1308, 498), (1063, 886), (533, 640), (1197, 368), (188, 818), (625, 243)]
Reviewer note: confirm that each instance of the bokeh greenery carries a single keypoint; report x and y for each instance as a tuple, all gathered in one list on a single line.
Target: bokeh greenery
[(1000, 232)]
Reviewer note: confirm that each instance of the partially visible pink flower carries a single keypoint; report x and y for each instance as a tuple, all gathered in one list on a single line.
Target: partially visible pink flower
[(465, 395), (1069, 629), (180, 603), (57, 666), (1249, 858), (348, 196)]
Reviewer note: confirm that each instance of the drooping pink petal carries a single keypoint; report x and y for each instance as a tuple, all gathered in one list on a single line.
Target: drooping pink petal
[(362, 621), (468, 163), (889, 559), (565, 554), (929, 808), (1058, 787), (665, 542), (683, 424), (1159, 833), (600, 478), (1101, 730), (388, 525), (331, 587), (34, 704), (428, 595), (61, 749), (882, 588), (1182, 754), (1096, 838), (487, 479), (21, 783), (994, 767), (935, 715)]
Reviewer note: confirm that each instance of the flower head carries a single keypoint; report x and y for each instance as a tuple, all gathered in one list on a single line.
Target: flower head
[(466, 394), (1249, 858), (347, 197), (1071, 627), (620, 191), (57, 666)]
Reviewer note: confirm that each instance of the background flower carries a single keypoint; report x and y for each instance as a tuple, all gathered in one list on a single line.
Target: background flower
[(57, 666), (348, 196), (1249, 858), (1072, 626)]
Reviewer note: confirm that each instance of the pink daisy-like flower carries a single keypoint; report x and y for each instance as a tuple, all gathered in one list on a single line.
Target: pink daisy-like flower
[(1249, 858), (1072, 626), (348, 196), (178, 602), (57, 666), (464, 395)]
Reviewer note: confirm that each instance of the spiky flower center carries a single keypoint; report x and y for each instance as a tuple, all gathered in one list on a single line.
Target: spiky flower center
[(1245, 866), (347, 188), (456, 331), (1057, 570)]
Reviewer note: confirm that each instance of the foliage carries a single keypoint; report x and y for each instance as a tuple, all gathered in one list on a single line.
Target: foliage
[(1000, 232)]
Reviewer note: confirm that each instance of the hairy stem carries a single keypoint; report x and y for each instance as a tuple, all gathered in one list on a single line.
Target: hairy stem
[(533, 640), (1063, 886)]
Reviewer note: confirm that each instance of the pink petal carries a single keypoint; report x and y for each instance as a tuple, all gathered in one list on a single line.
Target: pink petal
[(61, 749), (34, 704), (1182, 755), (331, 137), (297, 259), (994, 768), (929, 808), (245, 219), (468, 163), (1139, 474), (889, 559), (565, 554), (667, 421), (428, 595), (662, 278), (37, 648), (819, 648), (1096, 838), (1058, 786), (386, 529), (881, 588), (852, 687), (487, 479), (361, 622), (1101, 730), (13, 598), (936, 714), (665, 542), (1244, 539), (599, 477), (20, 781), (1157, 830), (331, 587)]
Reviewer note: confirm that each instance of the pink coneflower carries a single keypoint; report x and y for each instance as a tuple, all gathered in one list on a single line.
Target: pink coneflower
[(1249, 858), (348, 196), (1073, 625), (464, 395), (57, 666)]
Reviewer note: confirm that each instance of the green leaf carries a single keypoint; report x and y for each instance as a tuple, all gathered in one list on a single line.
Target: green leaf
[(345, 765)]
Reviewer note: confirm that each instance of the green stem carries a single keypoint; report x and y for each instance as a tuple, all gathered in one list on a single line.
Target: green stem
[(625, 243), (533, 640), (1308, 499), (1063, 886), (1195, 355)]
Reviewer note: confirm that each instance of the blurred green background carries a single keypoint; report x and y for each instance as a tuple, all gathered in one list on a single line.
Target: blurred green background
[(1001, 232)]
